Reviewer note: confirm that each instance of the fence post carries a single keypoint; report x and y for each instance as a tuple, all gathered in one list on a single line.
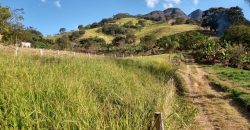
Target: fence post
[(16, 53), (41, 52), (123, 56), (74, 54), (159, 121)]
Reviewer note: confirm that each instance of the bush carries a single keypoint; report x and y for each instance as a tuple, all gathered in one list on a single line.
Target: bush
[(114, 29), (148, 42), (169, 44), (63, 42), (239, 34), (119, 40), (91, 43)]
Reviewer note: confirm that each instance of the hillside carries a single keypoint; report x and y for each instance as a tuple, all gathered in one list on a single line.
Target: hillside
[(158, 29)]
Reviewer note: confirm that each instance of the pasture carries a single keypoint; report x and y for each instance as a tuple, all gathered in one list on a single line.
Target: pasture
[(81, 92)]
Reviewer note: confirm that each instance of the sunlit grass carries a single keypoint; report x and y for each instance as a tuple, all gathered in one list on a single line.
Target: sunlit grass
[(80, 92)]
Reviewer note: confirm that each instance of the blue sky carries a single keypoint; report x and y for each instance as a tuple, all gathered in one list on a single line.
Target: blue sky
[(49, 15)]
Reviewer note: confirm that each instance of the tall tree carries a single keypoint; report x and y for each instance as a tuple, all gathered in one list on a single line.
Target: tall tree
[(219, 19), (62, 30), (5, 14)]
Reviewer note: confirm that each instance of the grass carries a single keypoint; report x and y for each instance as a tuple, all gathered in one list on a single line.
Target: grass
[(164, 29), (233, 81), (94, 33), (241, 77), (79, 92)]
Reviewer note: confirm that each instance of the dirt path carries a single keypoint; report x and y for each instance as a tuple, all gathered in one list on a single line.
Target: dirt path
[(217, 111)]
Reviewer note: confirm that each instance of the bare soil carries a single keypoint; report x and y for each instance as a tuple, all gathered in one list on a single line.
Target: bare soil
[(216, 110)]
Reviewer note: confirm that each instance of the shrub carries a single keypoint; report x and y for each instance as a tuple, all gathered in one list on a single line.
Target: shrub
[(148, 42), (114, 29), (239, 34), (91, 42), (119, 40), (168, 43)]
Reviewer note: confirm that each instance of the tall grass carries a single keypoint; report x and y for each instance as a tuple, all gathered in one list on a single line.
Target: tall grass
[(80, 93)]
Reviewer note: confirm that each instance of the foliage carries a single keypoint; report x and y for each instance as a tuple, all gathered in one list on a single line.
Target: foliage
[(239, 34), (114, 29), (76, 35), (63, 42), (169, 44), (62, 30), (148, 42), (179, 21), (5, 14), (89, 43), (219, 19), (119, 40)]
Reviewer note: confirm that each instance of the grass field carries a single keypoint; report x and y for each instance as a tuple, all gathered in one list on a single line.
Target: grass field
[(50, 92)]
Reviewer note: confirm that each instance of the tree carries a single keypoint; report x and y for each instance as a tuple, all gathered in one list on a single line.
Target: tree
[(130, 38), (63, 42), (114, 29), (15, 28), (142, 23), (62, 30), (5, 14), (148, 42), (219, 19), (239, 34), (80, 27), (119, 40), (167, 43)]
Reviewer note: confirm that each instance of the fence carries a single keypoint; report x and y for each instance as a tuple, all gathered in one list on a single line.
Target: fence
[(44, 52), (159, 125)]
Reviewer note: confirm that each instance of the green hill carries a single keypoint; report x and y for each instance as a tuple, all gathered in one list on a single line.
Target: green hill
[(158, 29)]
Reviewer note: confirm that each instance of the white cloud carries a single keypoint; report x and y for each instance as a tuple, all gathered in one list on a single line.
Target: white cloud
[(170, 3), (196, 2), (152, 3), (43, 1), (58, 3), (167, 5), (173, 1)]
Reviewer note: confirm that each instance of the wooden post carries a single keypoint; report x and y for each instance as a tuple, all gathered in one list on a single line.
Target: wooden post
[(58, 52), (123, 56), (159, 121), (16, 53), (74, 54), (41, 52)]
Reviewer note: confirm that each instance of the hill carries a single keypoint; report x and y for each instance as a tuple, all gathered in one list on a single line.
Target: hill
[(197, 14), (158, 29), (170, 13)]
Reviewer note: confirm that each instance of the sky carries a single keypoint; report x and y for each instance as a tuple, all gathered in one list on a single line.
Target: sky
[(48, 16)]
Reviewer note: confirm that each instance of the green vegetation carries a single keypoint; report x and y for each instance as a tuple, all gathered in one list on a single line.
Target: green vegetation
[(241, 77), (233, 81), (87, 93)]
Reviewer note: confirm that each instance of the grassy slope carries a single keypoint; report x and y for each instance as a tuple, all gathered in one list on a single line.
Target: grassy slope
[(81, 92), (152, 28)]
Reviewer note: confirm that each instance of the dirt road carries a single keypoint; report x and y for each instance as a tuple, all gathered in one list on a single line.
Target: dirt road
[(217, 111)]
